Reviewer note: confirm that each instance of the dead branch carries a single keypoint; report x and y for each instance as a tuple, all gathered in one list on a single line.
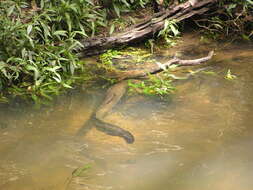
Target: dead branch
[(160, 67), (145, 29)]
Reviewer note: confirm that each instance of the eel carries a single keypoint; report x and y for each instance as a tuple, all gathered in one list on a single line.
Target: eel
[(113, 96), (117, 91), (113, 130)]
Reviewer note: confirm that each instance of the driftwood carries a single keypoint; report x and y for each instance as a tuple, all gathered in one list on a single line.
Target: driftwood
[(117, 91), (160, 67), (145, 29)]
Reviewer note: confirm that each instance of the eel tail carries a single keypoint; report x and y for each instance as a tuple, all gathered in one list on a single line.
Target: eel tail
[(113, 130)]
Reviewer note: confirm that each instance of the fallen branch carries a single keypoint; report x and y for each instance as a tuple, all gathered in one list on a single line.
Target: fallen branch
[(145, 29), (160, 67)]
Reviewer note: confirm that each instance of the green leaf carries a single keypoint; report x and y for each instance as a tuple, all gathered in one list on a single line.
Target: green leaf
[(46, 30), (245, 37), (35, 70), (81, 33), (29, 29), (23, 53), (231, 6), (60, 33), (126, 3), (66, 85), (30, 40), (90, 2), (77, 172), (43, 93), (10, 10), (166, 24), (57, 78), (2, 64), (3, 70), (42, 4), (230, 76), (68, 20), (93, 28), (101, 23), (54, 69), (250, 2), (112, 29), (117, 10), (73, 7), (174, 30), (72, 68)]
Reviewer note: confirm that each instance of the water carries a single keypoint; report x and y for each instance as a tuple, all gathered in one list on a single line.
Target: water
[(200, 139)]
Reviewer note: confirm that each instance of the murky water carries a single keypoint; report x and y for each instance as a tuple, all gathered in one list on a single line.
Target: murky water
[(199, 140)]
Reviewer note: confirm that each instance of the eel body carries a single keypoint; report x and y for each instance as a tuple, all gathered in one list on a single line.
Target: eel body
[(113, 96)]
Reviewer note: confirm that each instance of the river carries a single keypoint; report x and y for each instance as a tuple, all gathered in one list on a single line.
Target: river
[(199, 139)]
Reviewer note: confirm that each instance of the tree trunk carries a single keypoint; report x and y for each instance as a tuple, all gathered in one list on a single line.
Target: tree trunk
[(145, 29)]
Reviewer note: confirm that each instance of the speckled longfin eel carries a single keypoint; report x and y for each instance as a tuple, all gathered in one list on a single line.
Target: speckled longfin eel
[(113, 96)]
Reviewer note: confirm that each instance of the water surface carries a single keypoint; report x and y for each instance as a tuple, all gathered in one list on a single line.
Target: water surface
[(201, 139)]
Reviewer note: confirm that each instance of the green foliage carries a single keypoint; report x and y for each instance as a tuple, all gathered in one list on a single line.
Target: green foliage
[(81, 171), (111, 59), (119, 24), (209, 73), (155, 85), (230, 76), (37, 42), (81, 16), (3, 99), (106, 59), (37, 56), (121, 6), (169, 32), (234, 20)]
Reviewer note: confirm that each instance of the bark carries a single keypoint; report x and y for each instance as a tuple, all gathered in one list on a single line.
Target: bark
[(145, 29)]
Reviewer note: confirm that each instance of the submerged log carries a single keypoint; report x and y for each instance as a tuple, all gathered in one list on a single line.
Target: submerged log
[(146, 28)]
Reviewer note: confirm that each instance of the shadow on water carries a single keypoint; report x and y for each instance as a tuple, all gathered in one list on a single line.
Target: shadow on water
[(200, 139)]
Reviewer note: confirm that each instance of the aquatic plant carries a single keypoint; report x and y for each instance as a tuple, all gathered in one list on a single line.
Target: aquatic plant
[(107, 58), (154, 85), (229, 75), (81, 170)]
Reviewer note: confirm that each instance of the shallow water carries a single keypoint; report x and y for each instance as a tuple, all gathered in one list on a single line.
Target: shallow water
[(201, 139)]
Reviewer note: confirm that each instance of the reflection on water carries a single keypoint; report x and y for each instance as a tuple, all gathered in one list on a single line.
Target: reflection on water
[(201, 139)]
